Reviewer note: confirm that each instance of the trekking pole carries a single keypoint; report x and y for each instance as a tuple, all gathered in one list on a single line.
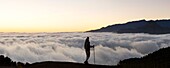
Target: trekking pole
[(94, 53)]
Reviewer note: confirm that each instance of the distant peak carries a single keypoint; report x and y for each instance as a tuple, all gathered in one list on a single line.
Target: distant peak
[(139, 26)]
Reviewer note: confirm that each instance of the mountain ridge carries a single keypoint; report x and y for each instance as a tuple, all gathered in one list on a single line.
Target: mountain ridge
[(140, 26)]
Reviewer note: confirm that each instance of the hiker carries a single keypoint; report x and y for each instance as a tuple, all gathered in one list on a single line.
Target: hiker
[(87, 49)]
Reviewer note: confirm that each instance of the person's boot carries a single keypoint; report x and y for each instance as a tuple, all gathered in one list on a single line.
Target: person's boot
[(86, 62)]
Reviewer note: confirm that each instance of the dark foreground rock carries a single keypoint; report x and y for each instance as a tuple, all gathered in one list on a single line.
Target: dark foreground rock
[(64, 65), (158, 59), (6, 62)]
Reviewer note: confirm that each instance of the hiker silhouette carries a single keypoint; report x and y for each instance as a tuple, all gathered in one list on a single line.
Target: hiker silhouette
[(87, 49)]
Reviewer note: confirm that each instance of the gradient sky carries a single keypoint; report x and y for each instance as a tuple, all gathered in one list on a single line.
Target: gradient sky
[(76, 15)]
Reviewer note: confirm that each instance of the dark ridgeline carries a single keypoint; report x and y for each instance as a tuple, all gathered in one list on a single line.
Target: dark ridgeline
[(6, 62), (158, 59), (141, 26)]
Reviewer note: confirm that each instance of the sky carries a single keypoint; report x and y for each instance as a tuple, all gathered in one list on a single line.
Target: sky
[(76, 15)]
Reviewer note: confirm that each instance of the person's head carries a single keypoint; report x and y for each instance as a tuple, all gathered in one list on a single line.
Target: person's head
[(87, 38)]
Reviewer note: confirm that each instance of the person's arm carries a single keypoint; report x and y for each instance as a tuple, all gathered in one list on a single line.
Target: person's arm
[(92, 46)]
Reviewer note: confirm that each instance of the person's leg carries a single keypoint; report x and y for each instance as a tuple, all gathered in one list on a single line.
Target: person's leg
[(87, 57)]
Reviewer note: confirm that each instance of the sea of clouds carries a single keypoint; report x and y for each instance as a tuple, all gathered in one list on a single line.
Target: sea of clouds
[(110, 48)]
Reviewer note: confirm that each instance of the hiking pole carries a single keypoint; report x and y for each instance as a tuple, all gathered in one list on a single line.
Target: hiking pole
[(94, 53)]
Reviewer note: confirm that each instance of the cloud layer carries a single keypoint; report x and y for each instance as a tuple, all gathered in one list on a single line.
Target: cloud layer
[(110, 48)]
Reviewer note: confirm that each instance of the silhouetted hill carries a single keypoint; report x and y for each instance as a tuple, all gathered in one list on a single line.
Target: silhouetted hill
[(65, 65), (6, 62), (158, 59), (141, 26)]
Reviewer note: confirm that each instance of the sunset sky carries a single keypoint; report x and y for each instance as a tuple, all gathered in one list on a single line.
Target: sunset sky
[(76, 15)]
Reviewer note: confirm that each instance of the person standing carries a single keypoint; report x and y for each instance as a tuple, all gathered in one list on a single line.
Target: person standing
[(87, 49)]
